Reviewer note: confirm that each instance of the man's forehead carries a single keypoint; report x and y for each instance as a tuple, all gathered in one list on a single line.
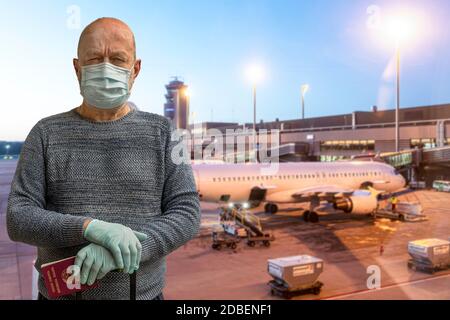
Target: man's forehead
[(108, 35), (117, 37)]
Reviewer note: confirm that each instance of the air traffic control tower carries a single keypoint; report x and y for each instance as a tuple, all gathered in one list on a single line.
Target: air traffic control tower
[(176, 107)]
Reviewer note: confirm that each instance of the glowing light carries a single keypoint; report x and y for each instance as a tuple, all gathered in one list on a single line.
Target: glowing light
[(231, 205), (246, 205), (403, 27), (304, 89), (400, 30), (255, 73), (407, 28)]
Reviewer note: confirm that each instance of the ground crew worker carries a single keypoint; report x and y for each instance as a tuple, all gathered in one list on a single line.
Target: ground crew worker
[(394, 202), (381, 249)]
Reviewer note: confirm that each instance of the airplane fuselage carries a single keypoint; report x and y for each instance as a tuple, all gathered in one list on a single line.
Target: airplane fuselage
[(234, 182)]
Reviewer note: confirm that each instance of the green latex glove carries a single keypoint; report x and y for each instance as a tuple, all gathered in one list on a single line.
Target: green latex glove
[(123, 243), (94, 262)]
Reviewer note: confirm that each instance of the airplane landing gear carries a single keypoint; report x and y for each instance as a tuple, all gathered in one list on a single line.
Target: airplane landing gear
[(271, 208), (306, 216), (310, 216), (313, 217)]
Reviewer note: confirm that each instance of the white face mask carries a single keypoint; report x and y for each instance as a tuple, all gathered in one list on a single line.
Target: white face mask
[(105, 85)]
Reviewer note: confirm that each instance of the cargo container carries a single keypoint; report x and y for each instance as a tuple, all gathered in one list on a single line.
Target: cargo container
[(295, 275), (429, 255), (405, 211)]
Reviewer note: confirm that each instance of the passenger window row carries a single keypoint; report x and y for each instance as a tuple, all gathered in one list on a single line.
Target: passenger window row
[(298, 176)]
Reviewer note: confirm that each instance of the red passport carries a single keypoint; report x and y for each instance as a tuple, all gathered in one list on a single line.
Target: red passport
[(61, 278)]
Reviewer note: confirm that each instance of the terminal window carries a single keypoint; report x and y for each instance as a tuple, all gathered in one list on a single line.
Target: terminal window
[(338, 145), (423, 143), (328, 158)]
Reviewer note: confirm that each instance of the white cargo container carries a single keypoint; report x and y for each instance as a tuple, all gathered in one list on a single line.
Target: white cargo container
[(429, 254), (405, 211), (295, 274)]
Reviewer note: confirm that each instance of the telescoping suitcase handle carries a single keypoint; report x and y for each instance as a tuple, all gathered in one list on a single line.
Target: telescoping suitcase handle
[(78, 295)]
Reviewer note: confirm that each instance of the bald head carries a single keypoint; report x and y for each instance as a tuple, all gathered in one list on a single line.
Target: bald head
[(107, 29)]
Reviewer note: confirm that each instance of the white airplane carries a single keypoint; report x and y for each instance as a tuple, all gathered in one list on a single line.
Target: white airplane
[(351, 186)]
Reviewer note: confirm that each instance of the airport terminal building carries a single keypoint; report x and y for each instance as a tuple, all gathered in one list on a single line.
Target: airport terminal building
[(339, 136), (369, 132)]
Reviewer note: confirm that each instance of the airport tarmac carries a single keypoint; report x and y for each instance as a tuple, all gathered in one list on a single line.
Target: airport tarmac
[(348, 245)]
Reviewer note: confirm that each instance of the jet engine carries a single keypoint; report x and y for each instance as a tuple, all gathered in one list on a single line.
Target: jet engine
[(360, 202)]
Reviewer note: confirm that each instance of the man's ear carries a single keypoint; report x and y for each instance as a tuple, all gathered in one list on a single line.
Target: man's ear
[(137, 68), (76, 66)]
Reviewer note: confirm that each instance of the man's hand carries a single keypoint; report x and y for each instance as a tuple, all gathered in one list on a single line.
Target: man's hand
[(123, 243), (94, 262)]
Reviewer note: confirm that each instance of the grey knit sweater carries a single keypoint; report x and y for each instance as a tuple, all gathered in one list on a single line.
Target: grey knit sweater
[(121, 171)]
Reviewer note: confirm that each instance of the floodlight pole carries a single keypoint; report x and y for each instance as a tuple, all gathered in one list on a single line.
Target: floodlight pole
[(397, 109)]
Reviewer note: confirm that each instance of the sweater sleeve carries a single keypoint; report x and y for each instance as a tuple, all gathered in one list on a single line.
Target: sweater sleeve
[(180, 218), (27, 219)]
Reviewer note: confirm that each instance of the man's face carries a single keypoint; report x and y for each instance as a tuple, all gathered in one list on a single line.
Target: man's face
[(108, 42)]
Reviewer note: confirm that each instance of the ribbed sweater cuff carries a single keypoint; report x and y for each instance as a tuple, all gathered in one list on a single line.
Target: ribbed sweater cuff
[(150, 249), (73, 229)]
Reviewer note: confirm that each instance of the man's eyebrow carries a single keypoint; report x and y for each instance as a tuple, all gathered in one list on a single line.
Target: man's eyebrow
[(93, 52), (119, 53), (116, 53)]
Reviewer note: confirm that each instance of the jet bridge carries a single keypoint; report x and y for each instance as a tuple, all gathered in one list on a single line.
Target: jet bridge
[(421, 164)]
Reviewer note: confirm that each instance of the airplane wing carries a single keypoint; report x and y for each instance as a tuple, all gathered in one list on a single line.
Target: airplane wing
[(326, 190), (314, 193), (335, 191), (380, 181), (323, 192)]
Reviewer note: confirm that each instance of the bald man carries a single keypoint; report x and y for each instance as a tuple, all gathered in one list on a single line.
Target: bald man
[(98, 182)]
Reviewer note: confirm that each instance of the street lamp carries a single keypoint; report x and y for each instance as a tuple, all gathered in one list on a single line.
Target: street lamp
[(397, 108), (304, 89), (192, 116), (7, 147), (399, 29), (255, 74)]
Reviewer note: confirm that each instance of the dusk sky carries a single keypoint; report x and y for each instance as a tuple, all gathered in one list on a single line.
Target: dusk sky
[(331, 45)]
